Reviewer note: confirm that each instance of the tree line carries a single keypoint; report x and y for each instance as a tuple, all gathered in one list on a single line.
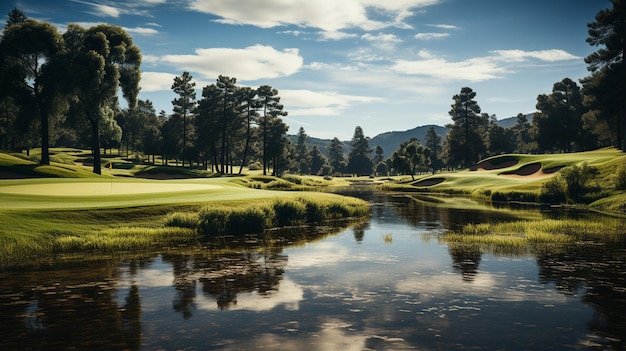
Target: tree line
[(62, 90)]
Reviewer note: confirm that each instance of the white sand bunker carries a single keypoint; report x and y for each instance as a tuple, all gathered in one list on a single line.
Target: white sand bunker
[(103, 188)]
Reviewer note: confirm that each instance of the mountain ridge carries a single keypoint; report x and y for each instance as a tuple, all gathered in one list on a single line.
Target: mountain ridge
[(390, 141)]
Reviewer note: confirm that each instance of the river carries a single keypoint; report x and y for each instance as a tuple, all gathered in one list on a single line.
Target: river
[(388, 283)]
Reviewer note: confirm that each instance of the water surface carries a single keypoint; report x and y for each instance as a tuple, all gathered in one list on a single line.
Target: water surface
[(389, 283)]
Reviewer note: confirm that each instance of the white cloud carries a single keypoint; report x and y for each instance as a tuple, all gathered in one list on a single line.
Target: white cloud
[(443, 26), (544, 55), (320, 103), (251, 63), (141, 31), (431, 36), (381, 37), (102, 10), (475, 69), (336, 35), (328, 15), (287, 294), (156, 81)]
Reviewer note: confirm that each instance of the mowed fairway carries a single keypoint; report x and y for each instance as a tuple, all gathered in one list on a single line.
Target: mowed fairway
[(105, 193)]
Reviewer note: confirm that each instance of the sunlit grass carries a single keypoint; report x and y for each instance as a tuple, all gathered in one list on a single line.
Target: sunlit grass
[(530, 236)]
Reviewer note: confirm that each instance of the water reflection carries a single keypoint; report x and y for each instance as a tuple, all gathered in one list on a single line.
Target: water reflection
[(350, 291)]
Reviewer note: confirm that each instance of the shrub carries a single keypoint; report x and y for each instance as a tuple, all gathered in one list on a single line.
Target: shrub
[(213, 220), (289, 212), (553, 191), (576, 179), (620, 177), (255, 166), (182, 220), (246, 220)]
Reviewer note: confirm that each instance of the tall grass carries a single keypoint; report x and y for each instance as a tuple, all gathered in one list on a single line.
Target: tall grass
[(524, 235), (246, 218)]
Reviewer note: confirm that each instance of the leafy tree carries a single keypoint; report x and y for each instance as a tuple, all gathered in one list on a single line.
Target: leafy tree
[(269, 103), (30, 70), (577, 178), (381, 168), (499, 139), (410, 157), (359, 159), (559, 124), (379, 155), (185, 104), (433, 143), (335, 152), (465, 142), (605, 87), (100, 60), (521, 133)]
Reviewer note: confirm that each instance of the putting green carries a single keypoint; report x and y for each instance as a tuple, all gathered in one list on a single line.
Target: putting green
[(102, 188)]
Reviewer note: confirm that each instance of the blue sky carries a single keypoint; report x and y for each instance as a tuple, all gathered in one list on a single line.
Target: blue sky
[(337, 64)]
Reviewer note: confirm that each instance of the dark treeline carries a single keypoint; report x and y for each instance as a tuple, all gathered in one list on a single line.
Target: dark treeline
[(61, 90)]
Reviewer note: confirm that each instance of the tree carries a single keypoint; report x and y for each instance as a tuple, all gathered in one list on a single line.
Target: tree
[(499, 140), (465, 142), (410, 157), (277, 146), (335, 152), (379, 155), (185, 104), (269, 103), (559, 125), (247, 97), (100, 60), (319, 163), (521, 134), (359, 159), (302, 157), (30, 70), (433, 143), (229, 117), (605, 87)]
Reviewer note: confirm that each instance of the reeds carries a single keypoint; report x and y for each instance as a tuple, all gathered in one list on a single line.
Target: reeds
[(250, 218), (522, 236)]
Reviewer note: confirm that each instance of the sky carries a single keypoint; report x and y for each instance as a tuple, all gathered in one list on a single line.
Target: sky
[(385, 66)]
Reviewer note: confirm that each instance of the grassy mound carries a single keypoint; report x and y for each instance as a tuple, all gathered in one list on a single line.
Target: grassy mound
[(521, 177)]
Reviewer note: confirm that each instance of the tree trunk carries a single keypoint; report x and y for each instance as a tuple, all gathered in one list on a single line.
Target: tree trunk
[(95, 146), (45, 139)]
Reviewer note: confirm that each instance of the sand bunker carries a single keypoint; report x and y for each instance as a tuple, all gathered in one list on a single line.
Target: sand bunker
[(531, 170), (102, 188), (429, 182), (488, 166)]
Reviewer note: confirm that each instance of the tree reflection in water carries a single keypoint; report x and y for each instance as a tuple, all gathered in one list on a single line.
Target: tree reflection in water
[(351, 291)]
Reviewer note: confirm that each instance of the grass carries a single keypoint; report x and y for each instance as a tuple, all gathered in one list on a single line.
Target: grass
[(46, 216), (525, 236), (498, 182)]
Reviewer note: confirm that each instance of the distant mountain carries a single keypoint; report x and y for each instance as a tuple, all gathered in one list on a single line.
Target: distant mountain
[(510, 122), (390, 141)]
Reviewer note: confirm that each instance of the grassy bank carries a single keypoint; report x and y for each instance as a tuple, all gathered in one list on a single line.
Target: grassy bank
[(44, 211), (514, 177), (30, 233)]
